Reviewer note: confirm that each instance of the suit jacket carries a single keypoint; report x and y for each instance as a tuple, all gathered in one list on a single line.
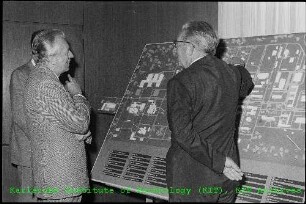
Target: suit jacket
[(202, 101), (20, 148), (54, 118)]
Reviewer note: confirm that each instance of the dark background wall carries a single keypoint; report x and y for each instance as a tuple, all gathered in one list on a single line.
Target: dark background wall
[(107, 39)]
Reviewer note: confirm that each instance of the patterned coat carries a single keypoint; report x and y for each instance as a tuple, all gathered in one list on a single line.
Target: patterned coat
[(19, 141), (54, 118)]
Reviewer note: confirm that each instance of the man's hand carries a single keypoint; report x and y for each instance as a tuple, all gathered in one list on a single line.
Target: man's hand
[(72, 86), (88, 139), (84, 137), (231, 170)]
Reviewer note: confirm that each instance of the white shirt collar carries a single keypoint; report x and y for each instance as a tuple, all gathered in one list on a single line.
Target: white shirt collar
[(33, 62), (195, 60)]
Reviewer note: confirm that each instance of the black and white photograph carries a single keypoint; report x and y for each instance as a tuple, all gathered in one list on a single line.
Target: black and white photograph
[(153, 101)]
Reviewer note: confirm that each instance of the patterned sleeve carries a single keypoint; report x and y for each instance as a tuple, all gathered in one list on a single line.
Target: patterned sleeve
[(73, 114)]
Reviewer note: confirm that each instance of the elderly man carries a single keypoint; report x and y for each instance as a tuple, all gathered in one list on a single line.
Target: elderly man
[(56, 116), (202, 104), (20, 147)]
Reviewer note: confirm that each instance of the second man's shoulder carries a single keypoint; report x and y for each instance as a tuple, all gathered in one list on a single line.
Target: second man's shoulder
[(183, 78), (25, 68), (183, 75)]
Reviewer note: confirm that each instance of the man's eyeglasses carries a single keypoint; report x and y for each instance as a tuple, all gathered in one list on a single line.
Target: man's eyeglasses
[(180, 41)]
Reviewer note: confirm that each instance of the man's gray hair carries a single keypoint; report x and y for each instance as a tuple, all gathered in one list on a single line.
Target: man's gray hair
[(41, 39), (201, 34)]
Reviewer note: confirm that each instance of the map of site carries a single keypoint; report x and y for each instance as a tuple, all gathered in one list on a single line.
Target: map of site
[(142, 115), (272, 125)]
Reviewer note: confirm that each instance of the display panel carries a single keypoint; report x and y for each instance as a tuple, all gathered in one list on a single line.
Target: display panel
[(133, 153), (273, 121), (271, 131)]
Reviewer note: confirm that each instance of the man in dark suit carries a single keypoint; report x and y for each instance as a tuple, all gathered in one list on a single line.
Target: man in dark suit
[(202, 104), (20, 148)]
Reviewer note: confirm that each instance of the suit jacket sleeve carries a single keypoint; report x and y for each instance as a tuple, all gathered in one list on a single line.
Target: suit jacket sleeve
[(17, 84), (72, 113), (247, 84), (179, 105)]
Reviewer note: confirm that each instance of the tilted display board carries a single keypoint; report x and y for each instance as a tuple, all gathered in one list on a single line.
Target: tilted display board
[(133, 153), (271, 131)]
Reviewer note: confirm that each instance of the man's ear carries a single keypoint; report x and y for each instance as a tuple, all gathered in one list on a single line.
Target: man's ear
[(190, 49)]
